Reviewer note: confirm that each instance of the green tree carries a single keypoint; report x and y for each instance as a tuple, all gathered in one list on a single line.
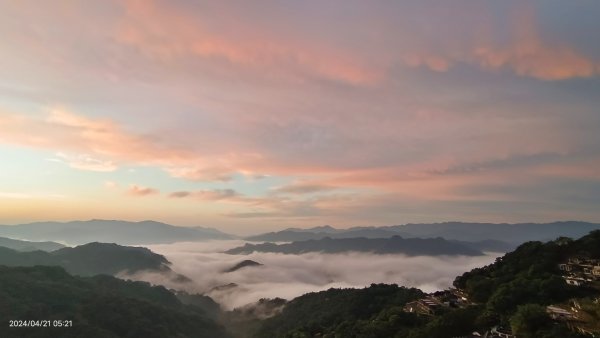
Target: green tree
[(529, 319)]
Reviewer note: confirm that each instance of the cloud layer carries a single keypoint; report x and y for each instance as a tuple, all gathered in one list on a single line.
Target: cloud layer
[(289, 276)]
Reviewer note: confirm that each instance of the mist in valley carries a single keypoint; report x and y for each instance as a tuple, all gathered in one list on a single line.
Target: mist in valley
[(289, 276)]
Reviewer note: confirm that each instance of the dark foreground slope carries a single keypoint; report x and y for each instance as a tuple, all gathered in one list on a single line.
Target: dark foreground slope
[(97, 307), (512, 292), (392, 245), (337, 312)]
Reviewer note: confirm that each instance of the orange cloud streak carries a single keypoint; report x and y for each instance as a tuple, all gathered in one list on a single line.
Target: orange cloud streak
[(526, 55), (64, 131), (135, 190), (144, 28)]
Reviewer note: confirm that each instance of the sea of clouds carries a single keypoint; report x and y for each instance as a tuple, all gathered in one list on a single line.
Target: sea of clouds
[(289, 276)]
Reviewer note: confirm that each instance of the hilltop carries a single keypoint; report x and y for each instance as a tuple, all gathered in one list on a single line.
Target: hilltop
[(92, 259), (19, 245)]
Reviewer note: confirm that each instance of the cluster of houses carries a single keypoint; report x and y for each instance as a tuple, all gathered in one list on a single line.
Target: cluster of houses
[(495, 332), (575, 319), (433, 303), (576, 271), (580, 271), (436, 302)]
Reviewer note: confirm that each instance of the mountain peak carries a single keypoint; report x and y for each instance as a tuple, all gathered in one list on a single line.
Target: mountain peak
[(243, 264)]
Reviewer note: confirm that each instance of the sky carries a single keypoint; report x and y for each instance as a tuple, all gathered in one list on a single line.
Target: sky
[(257, 116)]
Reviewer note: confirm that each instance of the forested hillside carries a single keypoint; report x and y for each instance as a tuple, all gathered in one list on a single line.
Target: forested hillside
[(513, 293), (90, 259), (95, 307), (345, 312)]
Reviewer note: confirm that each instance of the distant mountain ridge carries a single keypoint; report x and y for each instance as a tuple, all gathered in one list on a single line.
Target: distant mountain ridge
[(324, 228), (110, 231), (396, 244), (19, 245), (508, 235), (290, 235), (505, 236), (513, 233)]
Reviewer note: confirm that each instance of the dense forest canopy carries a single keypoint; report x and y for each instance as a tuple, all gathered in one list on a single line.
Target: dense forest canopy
[(100, 306)]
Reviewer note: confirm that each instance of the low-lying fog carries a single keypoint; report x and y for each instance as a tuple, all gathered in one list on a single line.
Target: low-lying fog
[(289, 276)]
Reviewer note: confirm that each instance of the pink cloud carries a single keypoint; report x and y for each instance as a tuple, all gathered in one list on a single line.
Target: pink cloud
[(98, 145), (61, 129), (185, 36), (208, 195), (303, 188), (200, 173), (135, 190), (527, 54), (87, 162)]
